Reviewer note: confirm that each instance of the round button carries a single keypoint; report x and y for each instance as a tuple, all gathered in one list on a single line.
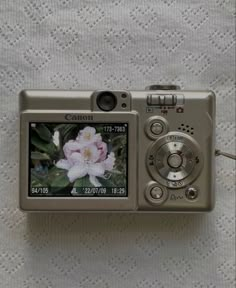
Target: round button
[(156, 192), (174, 160), (157, 128), (191, 193)]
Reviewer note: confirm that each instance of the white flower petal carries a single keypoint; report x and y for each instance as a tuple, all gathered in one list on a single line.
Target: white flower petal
[(77, 171), (109, 162), (76, 158), (90, 130), (98, 138), (102, 147), (56, 140), (63, 164), (88, 136), (94, 181), (90, 153), (96, 169), (70, 147)]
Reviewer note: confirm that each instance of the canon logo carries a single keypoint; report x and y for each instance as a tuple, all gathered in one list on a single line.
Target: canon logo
[(78, 117)]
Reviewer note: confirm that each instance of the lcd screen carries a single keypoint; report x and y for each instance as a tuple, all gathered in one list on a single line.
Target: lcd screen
[(78, 160)]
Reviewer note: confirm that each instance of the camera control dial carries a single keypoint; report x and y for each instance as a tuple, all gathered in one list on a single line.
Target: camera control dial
[(174, 160)]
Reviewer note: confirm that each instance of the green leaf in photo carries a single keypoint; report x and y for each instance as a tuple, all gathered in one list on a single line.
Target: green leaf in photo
[(106, 182), (36, 180), (115, 171), (36, 155), (67, 132), (83, 182), (51, 126), (55, 172), (59, 182), (65, 128), (48, 148), (43, 132)]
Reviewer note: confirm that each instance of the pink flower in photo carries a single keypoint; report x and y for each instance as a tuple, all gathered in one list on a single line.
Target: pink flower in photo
[(87, 155)]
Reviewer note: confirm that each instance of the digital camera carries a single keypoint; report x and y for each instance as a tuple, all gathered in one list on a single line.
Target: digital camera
[(133, 151)]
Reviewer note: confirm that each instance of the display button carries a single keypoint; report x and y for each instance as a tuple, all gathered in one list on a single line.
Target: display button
[(156, 192), (157, 128), (174, 160)]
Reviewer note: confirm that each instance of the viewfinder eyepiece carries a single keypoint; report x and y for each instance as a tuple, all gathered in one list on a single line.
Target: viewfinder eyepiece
[(106, 101)]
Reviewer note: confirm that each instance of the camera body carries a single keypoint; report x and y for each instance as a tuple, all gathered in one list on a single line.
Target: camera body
[(133, 151)]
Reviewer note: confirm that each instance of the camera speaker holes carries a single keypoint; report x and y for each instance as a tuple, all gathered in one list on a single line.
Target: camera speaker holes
[(186, 128)]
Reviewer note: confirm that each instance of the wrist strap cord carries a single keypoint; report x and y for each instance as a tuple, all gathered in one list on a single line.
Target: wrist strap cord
[(221, 153)]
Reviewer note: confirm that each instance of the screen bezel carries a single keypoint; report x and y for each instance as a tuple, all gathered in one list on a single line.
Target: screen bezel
[(30, 203), (93, 124)]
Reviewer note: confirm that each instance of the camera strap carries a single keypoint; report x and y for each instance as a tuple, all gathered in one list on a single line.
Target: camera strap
[(228, 155)]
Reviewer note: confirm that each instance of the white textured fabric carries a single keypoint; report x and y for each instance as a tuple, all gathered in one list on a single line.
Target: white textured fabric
[(73, 44)]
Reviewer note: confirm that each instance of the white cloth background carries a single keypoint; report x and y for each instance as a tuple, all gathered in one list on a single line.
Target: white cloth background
[(89, 44)]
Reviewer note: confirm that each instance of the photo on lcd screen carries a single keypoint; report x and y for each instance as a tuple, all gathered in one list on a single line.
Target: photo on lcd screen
[(78, 159)]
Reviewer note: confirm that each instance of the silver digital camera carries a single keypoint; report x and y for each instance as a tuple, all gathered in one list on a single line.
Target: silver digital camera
[(135, 151)]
